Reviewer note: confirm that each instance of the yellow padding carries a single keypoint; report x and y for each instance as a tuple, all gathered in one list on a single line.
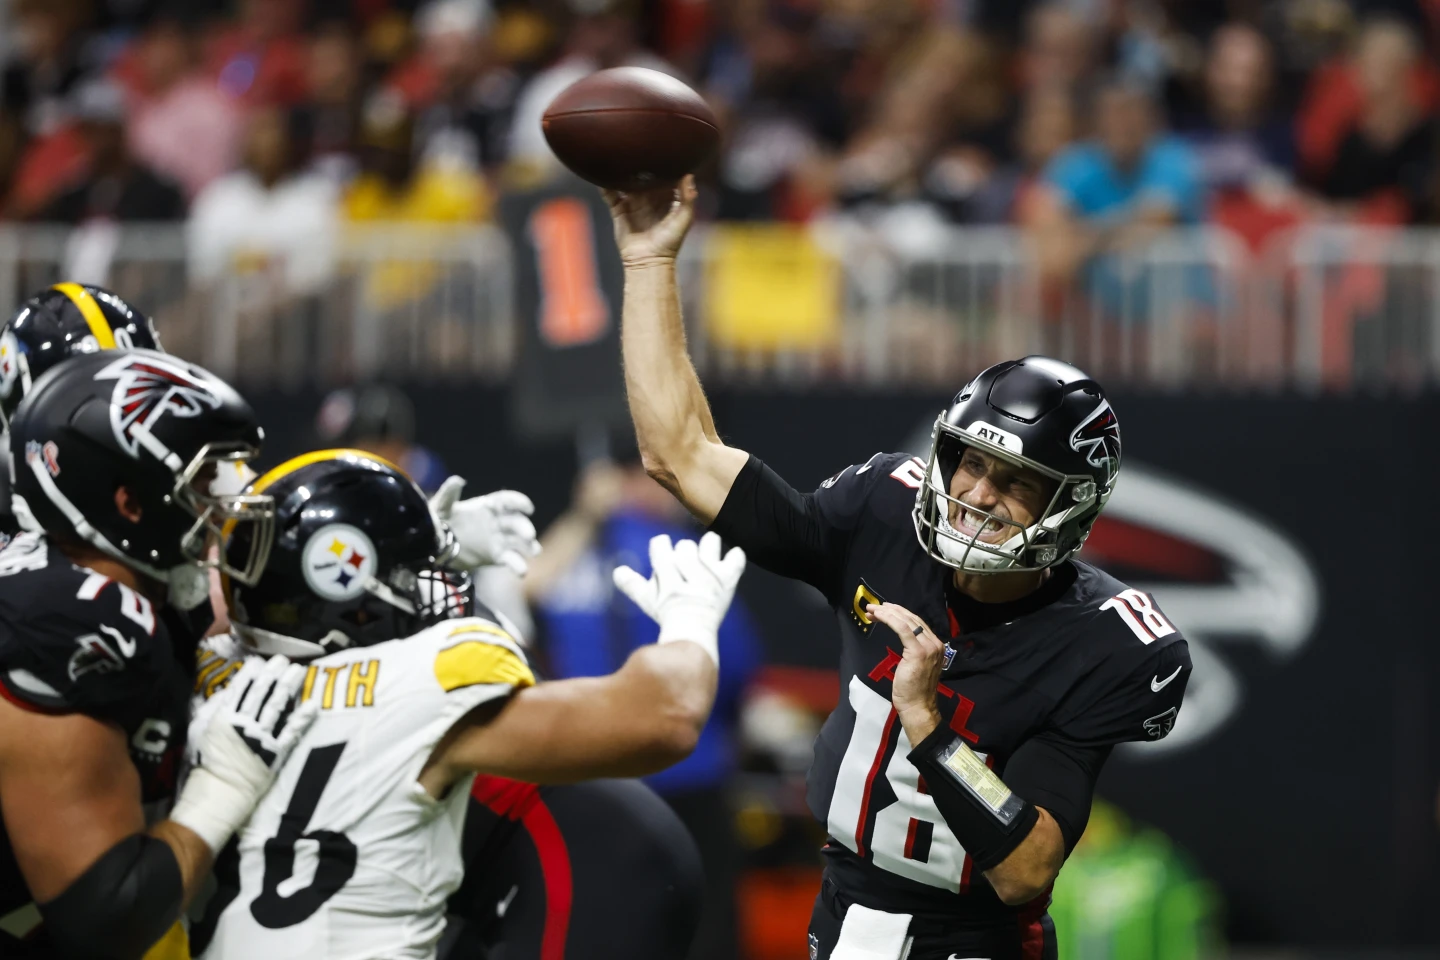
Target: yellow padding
[(770, 288), (475, 661), (90, 310), (175, 945)]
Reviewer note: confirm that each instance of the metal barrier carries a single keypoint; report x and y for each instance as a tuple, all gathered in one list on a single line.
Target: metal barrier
[(1319, 309), (384, 302)]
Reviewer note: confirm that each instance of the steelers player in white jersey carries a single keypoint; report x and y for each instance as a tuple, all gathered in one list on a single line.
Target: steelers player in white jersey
[(356, 848)]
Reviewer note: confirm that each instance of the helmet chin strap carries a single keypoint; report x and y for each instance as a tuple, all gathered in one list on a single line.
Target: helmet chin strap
[(187, 585), (376, 588), (82, 526)]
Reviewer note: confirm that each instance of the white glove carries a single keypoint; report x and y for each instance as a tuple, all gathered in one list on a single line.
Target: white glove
[(493, 529), (689, 589), (250, 733)]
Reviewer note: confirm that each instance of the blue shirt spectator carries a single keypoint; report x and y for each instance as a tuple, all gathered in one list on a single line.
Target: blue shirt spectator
[(1096, 188), (590, 628)]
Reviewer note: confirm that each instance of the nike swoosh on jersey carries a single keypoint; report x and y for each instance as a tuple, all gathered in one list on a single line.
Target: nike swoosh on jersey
[(868, 464), (1156, 684)]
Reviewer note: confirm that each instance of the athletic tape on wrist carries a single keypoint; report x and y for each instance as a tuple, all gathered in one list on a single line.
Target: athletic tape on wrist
[(986, 816), (211, 807), (708, 640)]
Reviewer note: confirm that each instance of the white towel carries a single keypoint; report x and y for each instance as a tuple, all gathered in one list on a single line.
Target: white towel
[(872, 935)]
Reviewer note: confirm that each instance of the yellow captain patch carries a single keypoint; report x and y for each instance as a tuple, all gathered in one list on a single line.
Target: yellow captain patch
[(471, 662)]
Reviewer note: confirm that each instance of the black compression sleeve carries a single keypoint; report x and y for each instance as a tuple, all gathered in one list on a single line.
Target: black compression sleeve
[(777, 526), (1060, 776), (121, 906), (986, 816)]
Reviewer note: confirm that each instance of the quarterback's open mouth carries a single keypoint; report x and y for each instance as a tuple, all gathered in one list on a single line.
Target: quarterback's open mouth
[(973, 525)]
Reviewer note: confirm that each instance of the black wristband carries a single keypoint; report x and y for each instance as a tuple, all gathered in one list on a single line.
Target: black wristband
[(986, 816)]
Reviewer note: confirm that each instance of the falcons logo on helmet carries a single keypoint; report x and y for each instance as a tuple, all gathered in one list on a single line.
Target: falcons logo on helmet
[(1098, 438), (148, 388)]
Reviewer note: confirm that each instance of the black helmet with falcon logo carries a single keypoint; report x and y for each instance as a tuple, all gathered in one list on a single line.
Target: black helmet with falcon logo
[(359, 558), (63, 321), (162, 429), (1036, 413)]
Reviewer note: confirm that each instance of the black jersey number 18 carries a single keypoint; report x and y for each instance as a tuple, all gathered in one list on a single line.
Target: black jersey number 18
[(908, 836), (335, 863)]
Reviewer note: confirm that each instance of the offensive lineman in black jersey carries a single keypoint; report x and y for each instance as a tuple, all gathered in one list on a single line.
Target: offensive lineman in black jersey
[(947, 823), (99, 619), (64, 320)]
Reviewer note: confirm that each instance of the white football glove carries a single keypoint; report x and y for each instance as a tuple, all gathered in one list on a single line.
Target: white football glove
[(689, 589), (493, 529), (249, 734)]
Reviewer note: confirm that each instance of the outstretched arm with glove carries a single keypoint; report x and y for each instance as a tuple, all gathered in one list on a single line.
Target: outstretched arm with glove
[(642, 718)]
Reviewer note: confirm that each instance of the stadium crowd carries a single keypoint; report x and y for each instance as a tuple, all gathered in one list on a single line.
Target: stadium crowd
[(262, 121)]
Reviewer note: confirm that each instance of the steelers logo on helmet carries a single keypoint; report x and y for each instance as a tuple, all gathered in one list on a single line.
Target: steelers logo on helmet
[(337, 561), (10, 361)]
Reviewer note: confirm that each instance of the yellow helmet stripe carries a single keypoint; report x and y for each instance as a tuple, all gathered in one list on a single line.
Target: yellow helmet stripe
[(90, 310), (315, 456)]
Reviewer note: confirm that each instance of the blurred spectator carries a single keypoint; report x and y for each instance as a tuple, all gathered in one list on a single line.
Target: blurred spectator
[(39, 147), (780, 104), (1384, 159), (1334, 101), (380, 419), (115, 185), (1118, 190), (328, 122), (181, 124), (268, 216), (589, 630), (1048, 124), (1060, 48), (604, 34), (1240, 141), (261, 58), (392, 186), (465, 101)]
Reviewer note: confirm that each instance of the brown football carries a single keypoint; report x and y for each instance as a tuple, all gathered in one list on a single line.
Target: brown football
[(630, 128)]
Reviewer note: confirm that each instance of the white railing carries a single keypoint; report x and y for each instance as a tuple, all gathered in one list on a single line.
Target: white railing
[(392, 302), (1332, 309)]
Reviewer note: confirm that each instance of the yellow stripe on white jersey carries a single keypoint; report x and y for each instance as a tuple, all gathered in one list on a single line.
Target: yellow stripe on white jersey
[(475, 659)]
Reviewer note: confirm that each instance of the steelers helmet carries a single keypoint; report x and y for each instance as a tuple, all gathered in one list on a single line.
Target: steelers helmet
[(1036, 413), (359, 558), (62, 321)]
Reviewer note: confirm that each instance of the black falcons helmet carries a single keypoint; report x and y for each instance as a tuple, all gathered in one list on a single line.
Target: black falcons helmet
[(1037, 413), (62, 321), (358, 559), (160, 427)]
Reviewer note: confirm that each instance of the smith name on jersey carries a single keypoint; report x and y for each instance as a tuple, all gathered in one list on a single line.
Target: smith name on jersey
[(347, 856), (1082, 664), (73, 641)]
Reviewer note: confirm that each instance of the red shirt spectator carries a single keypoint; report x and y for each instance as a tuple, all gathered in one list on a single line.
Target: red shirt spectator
[(1336, 98), (262, 60)]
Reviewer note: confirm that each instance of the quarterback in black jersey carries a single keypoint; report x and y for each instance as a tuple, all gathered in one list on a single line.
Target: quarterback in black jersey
[(986, 674), (100, 614)]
